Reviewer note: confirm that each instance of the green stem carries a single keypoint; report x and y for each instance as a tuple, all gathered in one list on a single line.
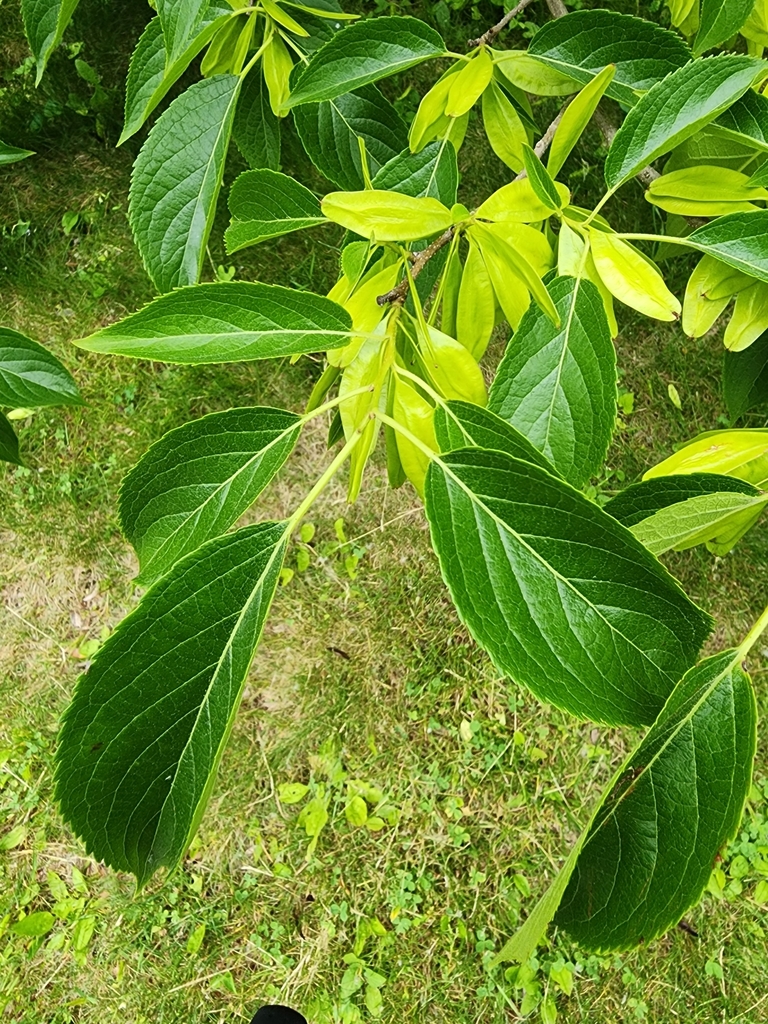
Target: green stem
[(333, 402), (402, 372), (257, 55), (327, 476), (639, 236), (382, 416), (754, 635)]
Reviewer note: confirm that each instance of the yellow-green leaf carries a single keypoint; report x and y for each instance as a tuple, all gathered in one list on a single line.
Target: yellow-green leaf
[(742, 454), (416, 414), (476, 309), (576, 117), (387, 216), (469, 84), (750, 318), (505, 130), (277, 64), (531, 75), (518, 203), (631, 277), (452, 369)]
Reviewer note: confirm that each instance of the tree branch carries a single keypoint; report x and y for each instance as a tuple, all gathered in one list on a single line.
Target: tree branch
[(557, 8), (419, 261), (490, 35)]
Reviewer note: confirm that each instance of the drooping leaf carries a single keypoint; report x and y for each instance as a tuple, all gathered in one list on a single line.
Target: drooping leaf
[(504, 127), (564, 599), (267, 204), (557, 385), (149, 80), (641, 500), (718, 21), (433, 171), (143, 737), (181, 20), (365, 52), (330, 132), (583, 43), (197, 480), (44, 24), (255, 129), (650, 850), (224, 323), (745, 378), (464, 425), (9, 443), (676, 108), (30, 377), (176, 181), (738, 239), (12, 154)]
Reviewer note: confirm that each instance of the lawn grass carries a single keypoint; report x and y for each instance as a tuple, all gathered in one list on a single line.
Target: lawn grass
[(364, 675)]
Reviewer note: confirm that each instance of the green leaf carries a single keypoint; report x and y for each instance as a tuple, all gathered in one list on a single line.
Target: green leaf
[(583, 43), (255, 129), (267, 204), (11, 154), (149, 80), (226, 323), (738, 239), (34, 925), (9, 443), (44, 24), (745, 378), (540, 179), (144, 734), (644, 499), (30, 377), (197, 480), (365, 52), (464, 425), (504, 126), (676, 108), (718, 519), (557, 385), (746, 122), (718, 21), (433, 171), (330, 132), (181, 20), (176, 180), (564, 599), (649, 852)]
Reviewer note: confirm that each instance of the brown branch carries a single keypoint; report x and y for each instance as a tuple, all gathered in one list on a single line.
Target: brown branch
[(419, 261), (490, 35), (557, 8)]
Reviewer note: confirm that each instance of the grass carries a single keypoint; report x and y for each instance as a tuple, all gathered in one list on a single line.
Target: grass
[(364, 676)]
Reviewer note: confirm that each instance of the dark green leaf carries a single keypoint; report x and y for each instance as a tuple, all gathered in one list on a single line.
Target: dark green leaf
[(148, 79), (718, 21), (11, 154), (330, 132), (181, 21), (144, 734), (464, 425), (197, 480), (176, 181), (9, 443), (44, 24), (225, 323), (650, 850), (745, 378), (557, 385), (255, 129), (266, 204), (564, 599), (540, 179), (366, 52), (738, 239), (745, 122), (676, 108), (584, 42), (433, 171), (641, 500), (30, 376)]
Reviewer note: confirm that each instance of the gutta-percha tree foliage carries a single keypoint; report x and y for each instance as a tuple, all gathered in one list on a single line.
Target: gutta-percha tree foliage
[(566, 596)]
